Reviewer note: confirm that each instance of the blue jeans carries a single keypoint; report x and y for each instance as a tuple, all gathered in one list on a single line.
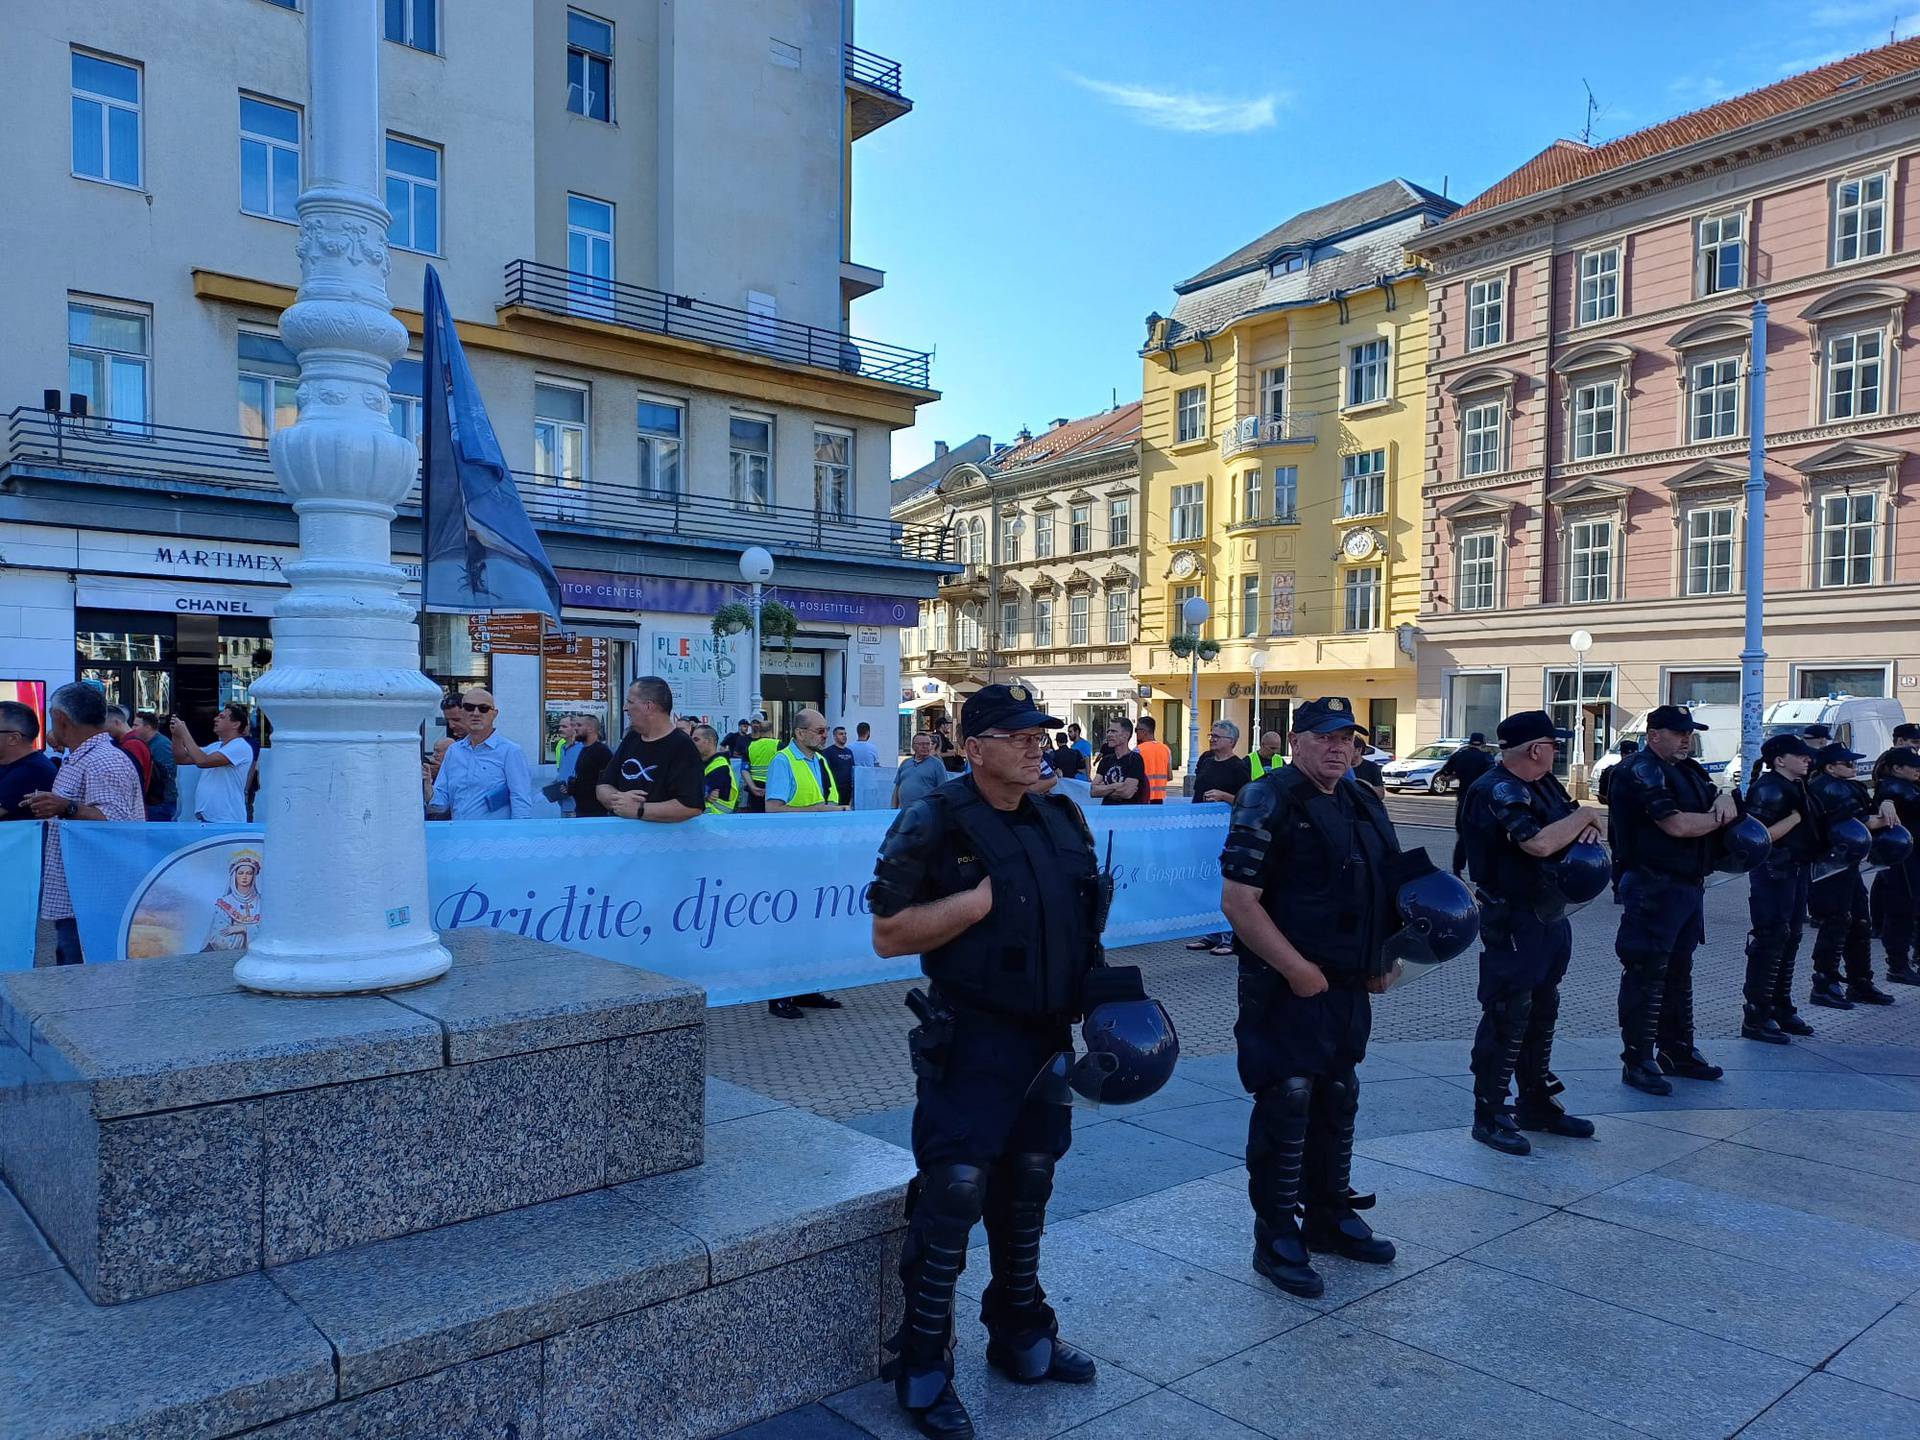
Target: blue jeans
[(66, 942), (159, 814)]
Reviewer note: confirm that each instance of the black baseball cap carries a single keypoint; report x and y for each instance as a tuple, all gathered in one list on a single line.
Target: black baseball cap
[(1907, 731), (1778, 745), (1838, 754), (1478, 737), (1004, 707), (1326, 715), (1673, 717), (1524, 728), (1816, 732), (1902, 755)]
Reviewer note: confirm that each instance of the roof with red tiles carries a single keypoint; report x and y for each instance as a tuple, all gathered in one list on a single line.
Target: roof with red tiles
[(1566, 161), (1076, 437)]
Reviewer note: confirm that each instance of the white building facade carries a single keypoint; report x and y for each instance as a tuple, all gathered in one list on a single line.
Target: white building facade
[(640, 212)]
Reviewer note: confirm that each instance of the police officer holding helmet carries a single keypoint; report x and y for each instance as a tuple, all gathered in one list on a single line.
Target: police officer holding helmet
[(1309, 877), (1663, 811), (1896, 889), (1777, 889), (1838, 900), (1525, 838), (999, 893)]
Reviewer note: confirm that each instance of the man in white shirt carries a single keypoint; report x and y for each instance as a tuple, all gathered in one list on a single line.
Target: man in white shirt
[(485, 776), (221, 796)]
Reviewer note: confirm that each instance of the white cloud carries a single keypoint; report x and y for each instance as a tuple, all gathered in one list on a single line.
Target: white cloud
[(1193, 114)]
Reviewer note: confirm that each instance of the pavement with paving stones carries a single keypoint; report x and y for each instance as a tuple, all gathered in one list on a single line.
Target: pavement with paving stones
[(1740, 1259)]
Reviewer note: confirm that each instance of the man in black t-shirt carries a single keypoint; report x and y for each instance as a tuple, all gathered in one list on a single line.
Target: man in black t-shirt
[(1220, 775), (735, 745), (587, 770), (655, 774), (1068, 763), (839, 758), (1121, 777)]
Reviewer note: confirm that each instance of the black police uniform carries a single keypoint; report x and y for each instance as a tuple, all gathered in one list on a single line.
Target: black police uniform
[(1463, 767), (1843, 927), (1896, 889), (1322, 865), (1661, 894), (1003, 995), (1523, 958), (1777, 902)]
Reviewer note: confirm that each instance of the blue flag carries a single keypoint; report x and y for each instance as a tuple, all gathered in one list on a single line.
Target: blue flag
[(479, 549)]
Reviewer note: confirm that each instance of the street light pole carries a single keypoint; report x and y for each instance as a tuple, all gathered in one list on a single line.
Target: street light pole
[(1753, 656), (1259, 661), (1580, 642), (1194, 612), (756, 568)]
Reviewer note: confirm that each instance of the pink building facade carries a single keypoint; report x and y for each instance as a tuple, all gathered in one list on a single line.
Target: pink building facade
[(1588, 412)]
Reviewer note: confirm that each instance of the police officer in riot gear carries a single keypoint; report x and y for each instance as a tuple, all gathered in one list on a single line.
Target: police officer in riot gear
[(1777, 889), (1838, 901), (1896, 889), (1308, 884), (1663, 810), (1516, 819), (999, 893)]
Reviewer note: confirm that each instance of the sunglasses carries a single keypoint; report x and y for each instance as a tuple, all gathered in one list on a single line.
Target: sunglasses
[(475, 709)]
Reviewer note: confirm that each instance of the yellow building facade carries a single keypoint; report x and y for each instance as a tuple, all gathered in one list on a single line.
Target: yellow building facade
[(1283, 440)]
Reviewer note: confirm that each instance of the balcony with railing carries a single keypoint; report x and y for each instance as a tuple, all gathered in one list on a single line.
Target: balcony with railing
[(873, 85), (559, 291), (180, 459), (1254, 432)]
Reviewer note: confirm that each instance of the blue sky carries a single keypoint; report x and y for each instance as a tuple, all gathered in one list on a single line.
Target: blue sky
[(1067, 161)]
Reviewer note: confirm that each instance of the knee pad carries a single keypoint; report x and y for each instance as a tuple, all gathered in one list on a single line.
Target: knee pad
[(1512, 1010), (949, 1197), (1343, 1094), (1027, 1178), (1292, 1097)]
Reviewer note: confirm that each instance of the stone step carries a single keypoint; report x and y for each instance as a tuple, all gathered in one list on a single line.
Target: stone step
[(680, 1306)]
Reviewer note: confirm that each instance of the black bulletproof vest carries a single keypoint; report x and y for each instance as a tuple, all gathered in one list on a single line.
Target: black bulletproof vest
[(1502, 869), (1330, 898), (1839, 799), (1639, 842), (1028, 956), (1770, 799)]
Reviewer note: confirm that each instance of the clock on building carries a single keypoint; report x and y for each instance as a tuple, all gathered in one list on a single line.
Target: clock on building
[(1184, 564), (1360, 545)]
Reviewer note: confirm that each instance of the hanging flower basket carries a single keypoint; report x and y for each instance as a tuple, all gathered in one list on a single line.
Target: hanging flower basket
[(777, 622), (1209, 650), (1181, 645)]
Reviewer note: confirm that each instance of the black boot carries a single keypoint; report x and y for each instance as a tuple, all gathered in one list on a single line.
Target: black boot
[(1023, 1334), (1494, 1128), (1900, 971), (1865, 992), (1763, 968), (942, 1204), (1785, 1015), (1758, 1024), (1679, 1056), (1276, 1146), (1688, 1063), (1827, 991), (1792, 1021), (1538, 1110), (1331, 1224), (1496, 1051), (1543, 1113), (1640, 1023)]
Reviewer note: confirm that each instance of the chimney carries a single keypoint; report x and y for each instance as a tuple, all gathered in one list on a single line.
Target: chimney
[(939, 449), (1058, 423), (1024, 436)]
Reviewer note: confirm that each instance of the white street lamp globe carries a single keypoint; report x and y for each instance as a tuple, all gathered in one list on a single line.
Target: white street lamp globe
[(756, 563), (1018, 525), (1195, 612), (1580, 641), (1259, 660)]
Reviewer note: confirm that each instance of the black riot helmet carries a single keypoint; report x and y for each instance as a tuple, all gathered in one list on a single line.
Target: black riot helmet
[(1891, 846), (1743, 846), (1131, 1052), (1572, 879), (1438, 919)]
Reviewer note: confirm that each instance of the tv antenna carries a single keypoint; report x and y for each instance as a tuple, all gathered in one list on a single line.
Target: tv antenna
[(1593, 110)]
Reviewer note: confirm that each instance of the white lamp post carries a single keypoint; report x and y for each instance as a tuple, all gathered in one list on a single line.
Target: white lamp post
[(756, 568), (1194, 612), (1259, 661), (346, 838), (1580, 642)]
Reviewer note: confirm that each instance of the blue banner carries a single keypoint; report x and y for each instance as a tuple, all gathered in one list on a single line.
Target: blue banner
[(19, 892), (749, 906)]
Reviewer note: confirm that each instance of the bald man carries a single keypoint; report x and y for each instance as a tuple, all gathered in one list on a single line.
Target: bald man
[(799, 777), (484, 776)]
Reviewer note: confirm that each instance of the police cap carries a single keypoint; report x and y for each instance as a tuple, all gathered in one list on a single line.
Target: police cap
[(1778, 745), (1325, 715), (1902, 755), (1906, 733), (1815, 732), (1003, 707), (1837, 754), (1673, 717), (1478, 737), (1524, 728)]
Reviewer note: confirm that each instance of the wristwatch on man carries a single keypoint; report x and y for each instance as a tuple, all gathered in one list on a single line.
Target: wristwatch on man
[(73, 809)]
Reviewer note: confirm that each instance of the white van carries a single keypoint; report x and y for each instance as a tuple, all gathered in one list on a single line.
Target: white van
[(1717, 748), (1855, 721)]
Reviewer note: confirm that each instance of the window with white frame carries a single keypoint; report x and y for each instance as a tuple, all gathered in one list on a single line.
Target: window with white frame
[(973, 630), (1596, 419), (1363, 484), (1009, 542), (1120, 521), (750, 460), (1476, 578), (1722, 254), (106, 119), (661, 426), (1250, 497), (1713, 399), (1190, 415), (1286, 493), (1189, 514), (1080, 528), (1273, 393), (107, 361), (939, 628), (413, 195), (1849, 533), (1367, 372), (977, 541), (1362, 592), (269, 158), (269, 380), (1043, 623), (1043, 534), (590, 256), (1077, 607), (589, 66), (1589, 561), (406, 384), (1009, 621), (1709, 550), (413, 23), (1280, 607), (560, 434), (1859, 218), (1117, 617), (1177, 611), (1480, 437), (1486, 312), (832, 473), (1855, 366), (1599, 297), (1249, 605)]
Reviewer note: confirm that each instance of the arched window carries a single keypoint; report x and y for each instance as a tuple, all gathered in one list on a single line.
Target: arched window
[(939, 628), (977, 541), (972, 632)]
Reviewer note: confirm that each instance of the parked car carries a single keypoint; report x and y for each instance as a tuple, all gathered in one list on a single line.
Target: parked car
[(1418, 770)]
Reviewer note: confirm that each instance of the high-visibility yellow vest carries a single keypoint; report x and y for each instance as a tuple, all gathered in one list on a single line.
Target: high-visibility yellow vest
[(1261, 767), (715, 804), (1158, 761), (806, 786), (759, 756)]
